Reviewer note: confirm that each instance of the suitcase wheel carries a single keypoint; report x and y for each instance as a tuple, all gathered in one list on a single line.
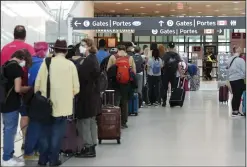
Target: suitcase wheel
[(118, 141), (136, 114), (100, 141)]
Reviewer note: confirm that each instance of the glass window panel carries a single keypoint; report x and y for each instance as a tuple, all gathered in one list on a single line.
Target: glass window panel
[(144, 38), (224, 47), (159, 38), (136, 38), (152, 38), (239, 30), (225, 37), (178, 38), (209, 38), (193, 38)]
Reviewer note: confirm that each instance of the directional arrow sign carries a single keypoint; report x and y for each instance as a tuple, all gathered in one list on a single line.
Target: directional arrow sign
[(76, 23), (219, 31), (161, 23), (223, 75)]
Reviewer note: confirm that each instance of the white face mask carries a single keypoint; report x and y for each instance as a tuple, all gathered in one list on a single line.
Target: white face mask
[(22, 64), (82, 50)]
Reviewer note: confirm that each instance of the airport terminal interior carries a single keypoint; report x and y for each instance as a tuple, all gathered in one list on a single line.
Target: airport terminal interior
[(201, 133)]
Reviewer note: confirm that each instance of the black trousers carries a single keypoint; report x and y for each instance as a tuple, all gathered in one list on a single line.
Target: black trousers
[(238, 88), (153, 88), (166, 79)]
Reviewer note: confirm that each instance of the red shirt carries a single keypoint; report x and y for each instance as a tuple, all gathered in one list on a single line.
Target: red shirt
[(9, 49)]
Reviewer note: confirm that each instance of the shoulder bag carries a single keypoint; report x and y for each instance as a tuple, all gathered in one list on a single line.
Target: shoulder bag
[(41, 106)]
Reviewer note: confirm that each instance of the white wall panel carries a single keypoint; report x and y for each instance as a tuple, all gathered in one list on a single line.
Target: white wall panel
[(35, 25)]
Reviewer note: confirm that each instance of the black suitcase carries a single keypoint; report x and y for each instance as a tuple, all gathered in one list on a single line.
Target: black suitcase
[(178, 94)]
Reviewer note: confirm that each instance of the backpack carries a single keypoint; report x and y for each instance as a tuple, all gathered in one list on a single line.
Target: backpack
[(139, 63), (192, 69), (123, 69), (171, 64), (156, 67), (3, 81)]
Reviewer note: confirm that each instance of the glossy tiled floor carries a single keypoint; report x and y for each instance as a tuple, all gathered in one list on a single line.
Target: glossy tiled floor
[(200, 134)]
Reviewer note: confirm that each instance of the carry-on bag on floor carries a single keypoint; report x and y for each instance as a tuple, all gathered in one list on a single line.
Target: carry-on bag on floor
[(223, 94), (244, 103), (195, 81), (71, 143), (134, 104), (109, 121), (178, 94)]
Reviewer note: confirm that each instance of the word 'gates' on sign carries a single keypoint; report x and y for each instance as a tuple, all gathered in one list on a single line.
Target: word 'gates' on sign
[(172, 23)]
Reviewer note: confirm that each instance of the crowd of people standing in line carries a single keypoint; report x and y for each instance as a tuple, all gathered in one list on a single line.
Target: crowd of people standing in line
[(75, 71)]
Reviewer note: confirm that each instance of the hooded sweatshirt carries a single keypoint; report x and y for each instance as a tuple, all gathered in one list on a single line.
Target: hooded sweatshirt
[(33, 71), (237, 70)]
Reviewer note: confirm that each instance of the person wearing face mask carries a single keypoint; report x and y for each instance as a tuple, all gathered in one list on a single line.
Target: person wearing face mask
[(88, 104), (33, 129), (236, 73), (10, 108)]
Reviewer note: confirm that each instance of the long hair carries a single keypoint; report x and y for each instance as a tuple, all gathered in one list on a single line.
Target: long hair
[(156, 54), (41, 49), (23, 54), (71, 52), (91, 45), (162, 50)]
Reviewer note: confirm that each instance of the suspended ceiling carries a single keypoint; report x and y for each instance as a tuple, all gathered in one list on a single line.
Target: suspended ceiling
[(166, 8)]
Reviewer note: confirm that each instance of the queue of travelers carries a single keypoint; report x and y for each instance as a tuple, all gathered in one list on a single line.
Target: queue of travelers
[(68, 82)]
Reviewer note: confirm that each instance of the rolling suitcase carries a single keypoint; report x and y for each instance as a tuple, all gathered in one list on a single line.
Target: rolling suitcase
[(134, 105), (178, 94), (223, 94), (109, 121), (244, 103), (72, 143)]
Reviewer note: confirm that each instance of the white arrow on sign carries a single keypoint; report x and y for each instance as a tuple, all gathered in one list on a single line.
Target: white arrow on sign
[(161, 23), (220, 31), (76, 23)]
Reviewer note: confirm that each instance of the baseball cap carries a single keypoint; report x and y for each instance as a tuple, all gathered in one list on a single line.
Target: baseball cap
[(171, 44)]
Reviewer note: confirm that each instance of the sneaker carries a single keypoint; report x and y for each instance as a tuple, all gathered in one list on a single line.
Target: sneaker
[(12, 162), (19, 159), (31, 157), (237, 114)]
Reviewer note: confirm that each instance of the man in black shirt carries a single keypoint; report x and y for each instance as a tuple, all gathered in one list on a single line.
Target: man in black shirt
[(171, 71), (12, 70)]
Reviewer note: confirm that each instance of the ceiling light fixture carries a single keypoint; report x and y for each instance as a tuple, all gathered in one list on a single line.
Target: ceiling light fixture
[(208, 5), (112, 11), (118, 3), (126, 9), (158, 4), (156, 11), (235, 2), (189, 7), (235, 9), (162, 16), (172, 15), (142, 7), (173, 10), (199, 12), (216, 10), (223, 14), (183, 14)]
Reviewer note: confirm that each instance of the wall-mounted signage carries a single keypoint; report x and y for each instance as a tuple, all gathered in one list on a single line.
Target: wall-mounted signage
[(236, 35), (180, 31), (196, 48), (149, 23)]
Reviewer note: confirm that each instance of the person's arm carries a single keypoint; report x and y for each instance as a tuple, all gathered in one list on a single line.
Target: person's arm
[(133, 65), (40, 77), (242, 65), (110, 63), (75, 80), (95, 68)]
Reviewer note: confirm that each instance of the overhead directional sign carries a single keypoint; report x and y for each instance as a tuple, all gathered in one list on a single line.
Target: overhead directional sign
[(149, 23), (160, 32)]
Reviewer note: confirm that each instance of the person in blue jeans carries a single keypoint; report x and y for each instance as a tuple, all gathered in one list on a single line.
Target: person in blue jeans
[(34, 128), (12, 102)]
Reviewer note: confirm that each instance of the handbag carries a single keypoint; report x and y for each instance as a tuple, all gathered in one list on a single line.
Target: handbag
[(41, 107)]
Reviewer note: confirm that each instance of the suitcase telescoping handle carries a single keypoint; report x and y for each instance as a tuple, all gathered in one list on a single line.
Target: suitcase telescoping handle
[(179, 83), (113, 94)]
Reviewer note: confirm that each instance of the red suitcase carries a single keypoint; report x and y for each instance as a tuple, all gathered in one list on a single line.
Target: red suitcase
[(224, 94), (109, 121)]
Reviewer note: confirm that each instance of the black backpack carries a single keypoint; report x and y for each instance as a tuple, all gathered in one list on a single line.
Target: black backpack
[(171, 64), (138, 62), (3, 81)]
